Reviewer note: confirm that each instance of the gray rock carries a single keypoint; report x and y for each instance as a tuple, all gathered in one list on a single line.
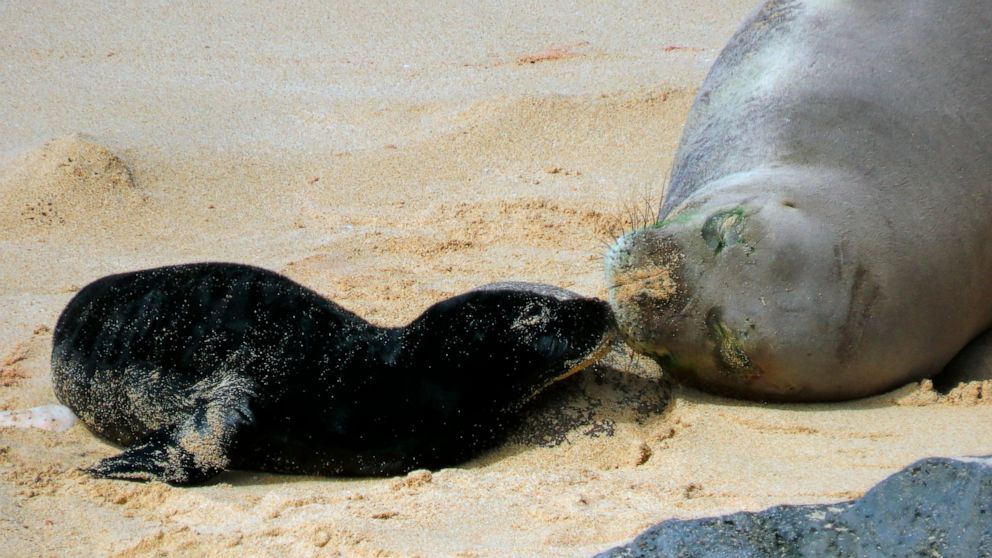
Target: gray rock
[(934, 507)]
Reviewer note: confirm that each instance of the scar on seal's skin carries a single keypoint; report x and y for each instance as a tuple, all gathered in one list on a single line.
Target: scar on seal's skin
[(865, 292)]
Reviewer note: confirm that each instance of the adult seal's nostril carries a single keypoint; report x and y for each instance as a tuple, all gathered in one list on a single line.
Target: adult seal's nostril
[(824, 233)]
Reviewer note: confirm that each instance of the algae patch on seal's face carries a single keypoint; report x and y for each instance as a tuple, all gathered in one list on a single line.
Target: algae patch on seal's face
[(729, 351), (723, 229)]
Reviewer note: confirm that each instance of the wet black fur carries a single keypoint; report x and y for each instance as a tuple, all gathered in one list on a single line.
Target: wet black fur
[(272, 376)]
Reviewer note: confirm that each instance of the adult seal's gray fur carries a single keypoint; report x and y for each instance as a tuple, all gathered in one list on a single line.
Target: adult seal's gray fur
[(826, 232), (203, 367)]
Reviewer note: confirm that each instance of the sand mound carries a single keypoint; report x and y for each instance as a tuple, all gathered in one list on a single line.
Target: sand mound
[(540, 142), (67, 183), (531, 189)]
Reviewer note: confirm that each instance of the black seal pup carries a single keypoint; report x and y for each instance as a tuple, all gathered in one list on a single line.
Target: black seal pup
[(826, 232), (202, 367)]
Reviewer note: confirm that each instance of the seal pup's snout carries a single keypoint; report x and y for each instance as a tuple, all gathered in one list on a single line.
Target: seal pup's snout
[(588, 334), (565, 331), (560, 329)]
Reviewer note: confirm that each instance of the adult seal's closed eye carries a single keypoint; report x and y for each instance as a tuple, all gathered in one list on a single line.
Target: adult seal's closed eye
[(203, 367), (826, 232)]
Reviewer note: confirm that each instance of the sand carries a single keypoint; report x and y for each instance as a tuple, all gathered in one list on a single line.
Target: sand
[(389, 158)]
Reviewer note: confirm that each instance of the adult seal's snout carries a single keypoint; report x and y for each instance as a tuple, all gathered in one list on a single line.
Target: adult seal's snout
[(647, 287)]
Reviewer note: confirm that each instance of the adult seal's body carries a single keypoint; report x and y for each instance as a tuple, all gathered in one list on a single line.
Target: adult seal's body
[(826, 232), (204, 367)]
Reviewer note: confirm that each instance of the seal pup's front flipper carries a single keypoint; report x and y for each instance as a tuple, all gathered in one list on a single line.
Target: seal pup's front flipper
[(193, 449)]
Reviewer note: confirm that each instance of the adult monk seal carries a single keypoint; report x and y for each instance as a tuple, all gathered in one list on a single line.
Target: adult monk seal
[(198, 368), (826, 231)]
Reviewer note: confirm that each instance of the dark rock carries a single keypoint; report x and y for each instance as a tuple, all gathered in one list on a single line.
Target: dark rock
[(934, 507)]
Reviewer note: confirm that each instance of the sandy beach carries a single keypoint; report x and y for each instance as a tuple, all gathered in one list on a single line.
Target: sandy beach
[(389, 157)]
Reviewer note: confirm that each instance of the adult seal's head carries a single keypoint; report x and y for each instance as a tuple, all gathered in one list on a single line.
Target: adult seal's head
[(824, 234)]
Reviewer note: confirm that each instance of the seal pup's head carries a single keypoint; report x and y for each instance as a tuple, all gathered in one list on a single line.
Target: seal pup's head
[(520, 337)]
